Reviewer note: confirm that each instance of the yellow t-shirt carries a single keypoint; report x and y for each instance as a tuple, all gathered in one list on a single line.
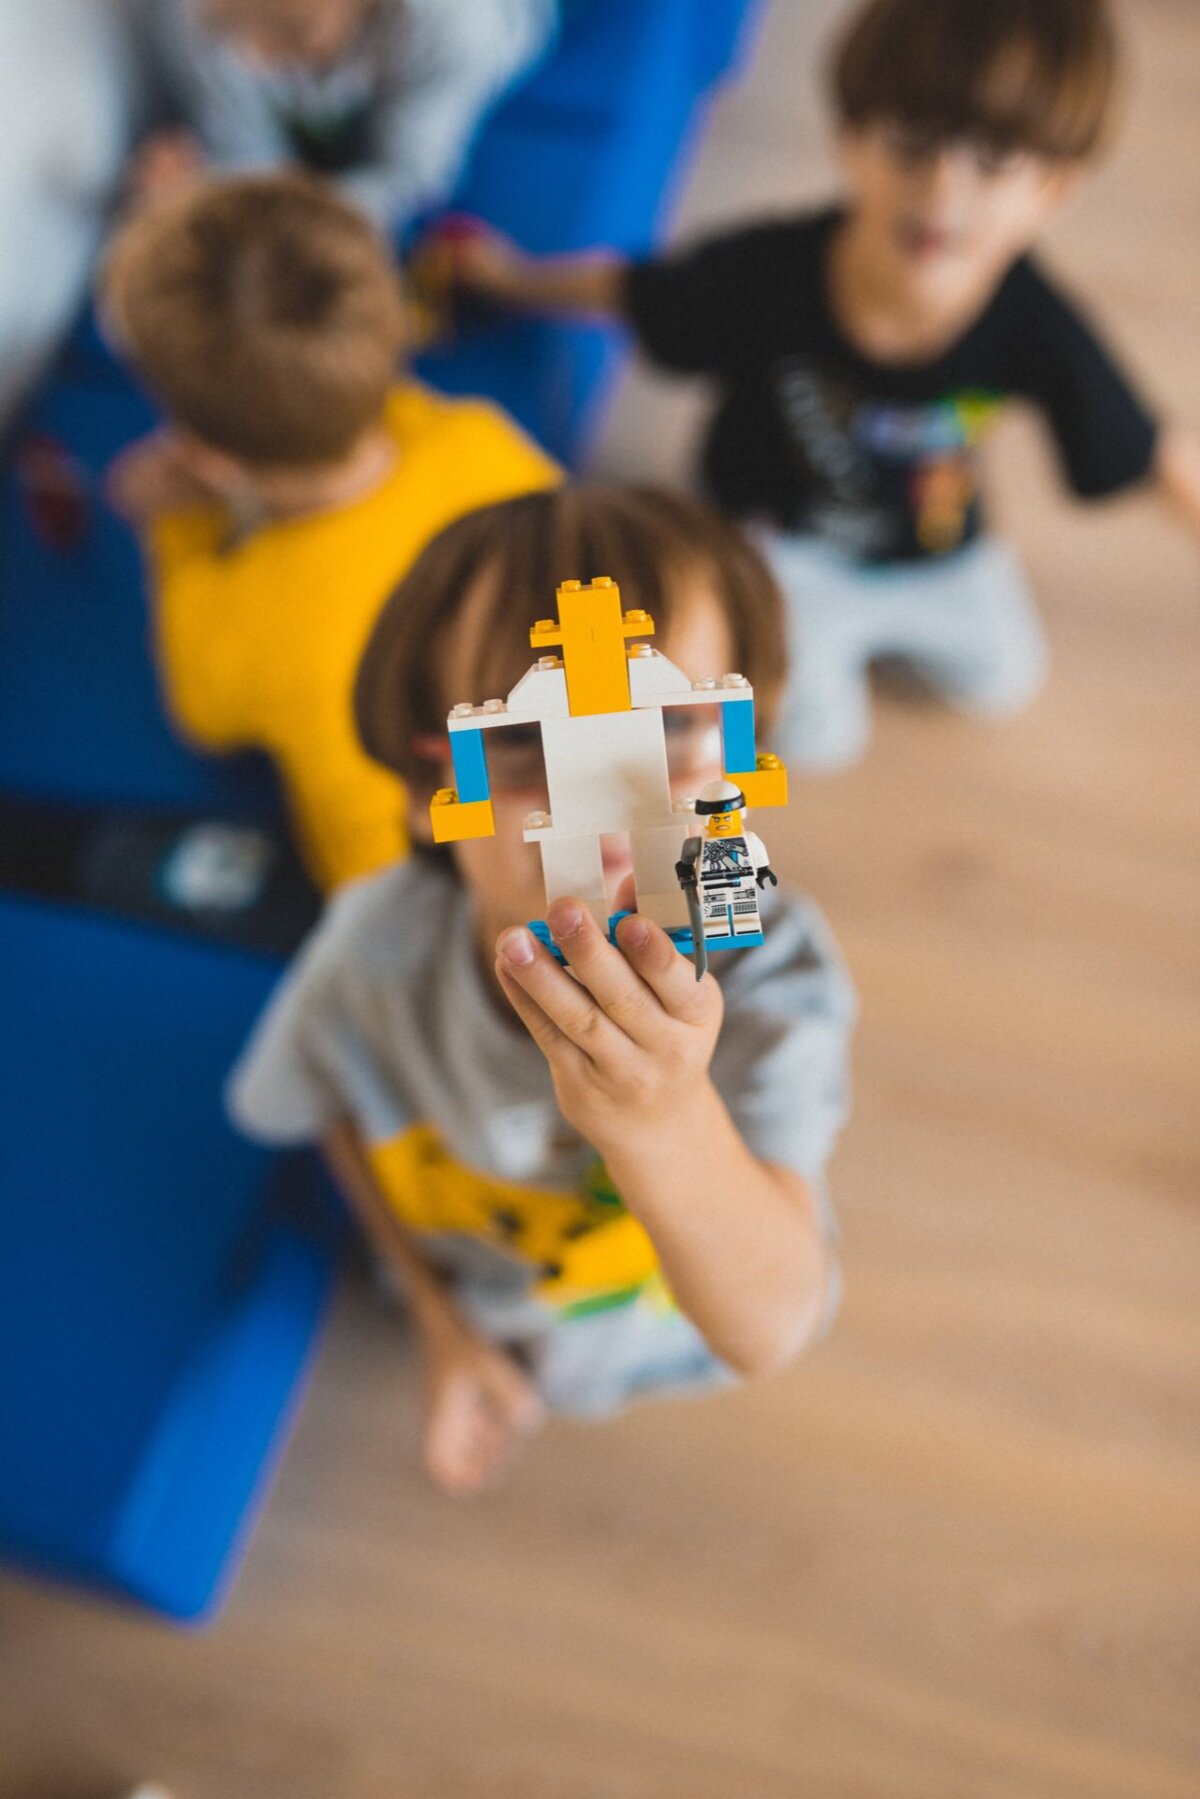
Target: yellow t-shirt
[(259, 643)]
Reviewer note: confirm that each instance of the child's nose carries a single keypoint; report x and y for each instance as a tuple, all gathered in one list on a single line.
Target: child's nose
[(949, 174)]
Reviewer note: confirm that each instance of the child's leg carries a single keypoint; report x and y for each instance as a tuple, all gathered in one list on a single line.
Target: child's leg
[(825, 719), (969, 627)]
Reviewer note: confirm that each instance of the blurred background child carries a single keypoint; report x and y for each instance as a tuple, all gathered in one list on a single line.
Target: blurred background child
[(586, 1193), (384, 95), (861, 352), (298, 474)]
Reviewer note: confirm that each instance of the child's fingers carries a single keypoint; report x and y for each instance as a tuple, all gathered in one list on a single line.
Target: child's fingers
[(671, 977), (554, 1043), (623, 998), (554, 1008)]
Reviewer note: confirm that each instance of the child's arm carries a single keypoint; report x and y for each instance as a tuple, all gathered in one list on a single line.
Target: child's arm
[(629, 1043), (589, 284), (1177, 473)]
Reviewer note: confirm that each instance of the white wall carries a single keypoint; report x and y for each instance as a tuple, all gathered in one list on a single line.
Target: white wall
[(65, 105)]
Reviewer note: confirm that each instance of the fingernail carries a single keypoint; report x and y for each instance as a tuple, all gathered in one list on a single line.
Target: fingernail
[(517, 948), (635, 931), (565, 919)]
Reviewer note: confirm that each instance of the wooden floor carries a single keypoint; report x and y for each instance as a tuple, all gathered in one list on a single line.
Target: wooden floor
[(956, 1555)]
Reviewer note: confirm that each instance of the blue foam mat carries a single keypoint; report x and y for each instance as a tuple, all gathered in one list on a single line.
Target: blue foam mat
[(155, 1303)]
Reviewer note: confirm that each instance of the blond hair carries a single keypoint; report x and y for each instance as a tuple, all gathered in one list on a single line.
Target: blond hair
[(263, 313)]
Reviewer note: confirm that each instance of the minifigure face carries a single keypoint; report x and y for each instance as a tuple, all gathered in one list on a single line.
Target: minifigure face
[(939, 208), (309, 33), (504, 873), (725, 824)]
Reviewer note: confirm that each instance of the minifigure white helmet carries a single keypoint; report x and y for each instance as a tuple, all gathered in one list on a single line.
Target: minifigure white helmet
[(720, 796)]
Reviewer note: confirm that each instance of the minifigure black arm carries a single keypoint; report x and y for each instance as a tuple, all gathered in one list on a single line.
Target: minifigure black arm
[(685, 868)]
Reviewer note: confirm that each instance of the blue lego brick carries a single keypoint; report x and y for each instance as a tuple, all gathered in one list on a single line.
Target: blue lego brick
[(752, 940), (737, 735), (470, 766)]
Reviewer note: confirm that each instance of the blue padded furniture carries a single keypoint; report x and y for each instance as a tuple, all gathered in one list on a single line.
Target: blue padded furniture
[(156, 1310), (586, 152), (80, 717), (158, 1297)]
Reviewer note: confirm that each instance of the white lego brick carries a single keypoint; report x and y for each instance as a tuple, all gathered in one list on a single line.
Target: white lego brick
[(655, 853), (653, 678), (541, 692), (572, 867), (607, 772), (478, 718), (709, 690)]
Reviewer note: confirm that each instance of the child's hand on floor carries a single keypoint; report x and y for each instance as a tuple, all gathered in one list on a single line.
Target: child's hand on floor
[(629, 1039), (478, 1405)]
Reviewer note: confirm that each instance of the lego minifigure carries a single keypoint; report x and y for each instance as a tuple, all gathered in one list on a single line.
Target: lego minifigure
[(721, 873)]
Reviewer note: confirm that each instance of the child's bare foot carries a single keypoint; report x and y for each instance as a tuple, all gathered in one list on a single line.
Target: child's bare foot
[(478, 1405)]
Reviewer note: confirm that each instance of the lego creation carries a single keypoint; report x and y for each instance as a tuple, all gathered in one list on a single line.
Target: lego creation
[(599, 703)]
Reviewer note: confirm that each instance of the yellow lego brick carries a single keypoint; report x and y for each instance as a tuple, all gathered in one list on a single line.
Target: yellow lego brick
[(455, 820), (592, 631), (765, 784)]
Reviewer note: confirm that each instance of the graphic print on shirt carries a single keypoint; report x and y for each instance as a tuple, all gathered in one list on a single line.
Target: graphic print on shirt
[(585, 1252), (886, 480), (728, 888)]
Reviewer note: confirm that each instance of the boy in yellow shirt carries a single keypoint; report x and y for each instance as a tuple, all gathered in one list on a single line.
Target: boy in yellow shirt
[(296, 479)]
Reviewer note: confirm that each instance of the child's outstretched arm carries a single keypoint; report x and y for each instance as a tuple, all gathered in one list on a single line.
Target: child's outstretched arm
[(587, 284), (629, 1043)]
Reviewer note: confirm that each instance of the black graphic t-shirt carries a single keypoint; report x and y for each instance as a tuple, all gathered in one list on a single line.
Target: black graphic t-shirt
[(878, 458)]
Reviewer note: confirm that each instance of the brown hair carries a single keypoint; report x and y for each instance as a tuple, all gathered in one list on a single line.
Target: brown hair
[(650, 542), (1035, 75), (263, 313)]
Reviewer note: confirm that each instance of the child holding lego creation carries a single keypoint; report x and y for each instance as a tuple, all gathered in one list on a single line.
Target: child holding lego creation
[(590, 1187), (862, 351), (297, 477), (383, 95)]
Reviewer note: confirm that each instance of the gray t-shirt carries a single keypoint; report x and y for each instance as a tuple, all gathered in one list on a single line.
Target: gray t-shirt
[(386, 1017), (394, 114)]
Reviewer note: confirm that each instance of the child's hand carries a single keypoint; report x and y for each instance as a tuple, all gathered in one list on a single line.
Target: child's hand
[(477, 1405), (630, 1038), (149, 478), (474, 257)]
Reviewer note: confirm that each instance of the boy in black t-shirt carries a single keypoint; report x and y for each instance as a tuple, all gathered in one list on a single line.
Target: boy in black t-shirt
[(861, 352)]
